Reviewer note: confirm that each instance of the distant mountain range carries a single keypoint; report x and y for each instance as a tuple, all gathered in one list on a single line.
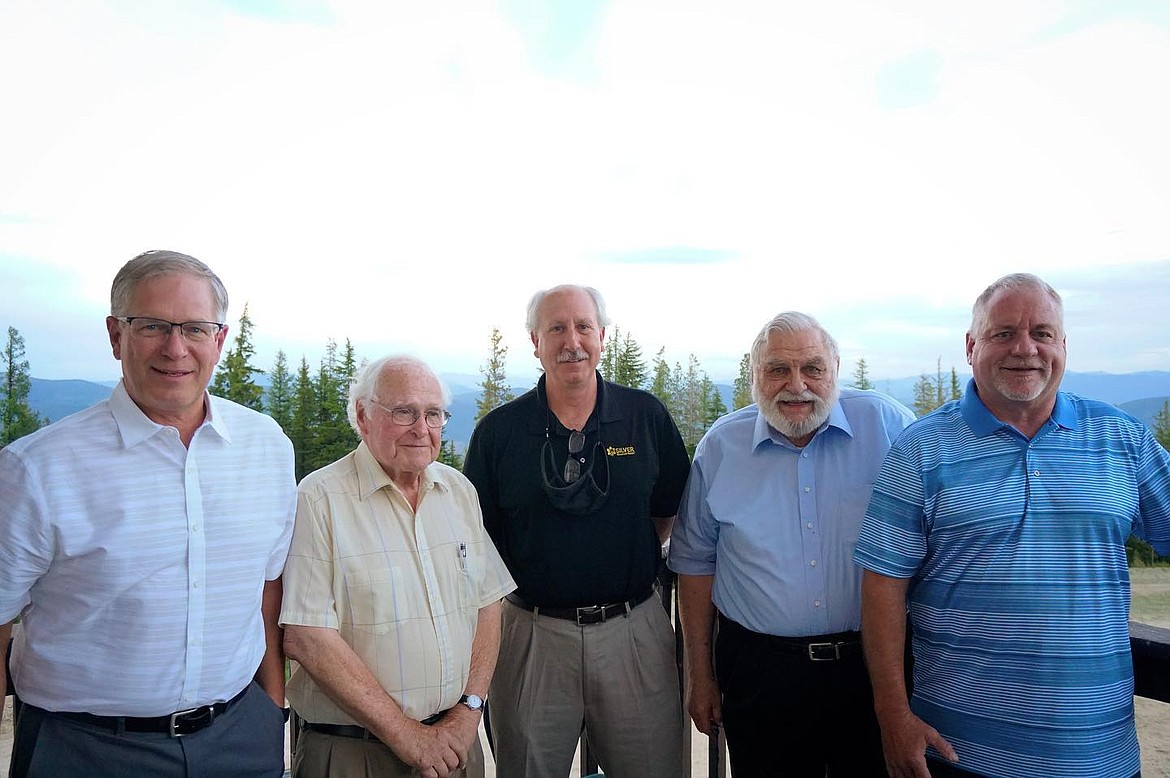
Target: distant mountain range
[(1139, 394)]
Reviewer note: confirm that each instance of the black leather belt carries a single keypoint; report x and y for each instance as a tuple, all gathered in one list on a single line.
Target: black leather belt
[(817, 648), (588, 614), (177, 724), (360, 733)]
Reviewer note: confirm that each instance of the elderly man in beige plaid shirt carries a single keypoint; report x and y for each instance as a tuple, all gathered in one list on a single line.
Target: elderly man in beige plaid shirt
[(391, 594)]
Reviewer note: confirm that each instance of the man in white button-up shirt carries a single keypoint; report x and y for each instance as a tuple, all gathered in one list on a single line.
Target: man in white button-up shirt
[(141, 543)]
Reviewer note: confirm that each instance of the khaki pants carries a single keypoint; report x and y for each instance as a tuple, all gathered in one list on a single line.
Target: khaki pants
[(331, 756), (617, 680)]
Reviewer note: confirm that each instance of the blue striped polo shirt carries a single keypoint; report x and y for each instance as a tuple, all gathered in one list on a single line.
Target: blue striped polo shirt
[(1019, 597)]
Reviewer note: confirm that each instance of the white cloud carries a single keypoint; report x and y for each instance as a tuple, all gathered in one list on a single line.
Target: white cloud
[(403, 176)]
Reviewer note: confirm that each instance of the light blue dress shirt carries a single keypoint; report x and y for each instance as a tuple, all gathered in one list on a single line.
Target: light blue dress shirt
[(777, 524)]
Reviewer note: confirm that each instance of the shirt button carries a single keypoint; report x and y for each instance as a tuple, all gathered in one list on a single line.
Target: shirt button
[(195, 585), (807, 489), (817, 603), (809, 525), (813, 563), (1036, 473)]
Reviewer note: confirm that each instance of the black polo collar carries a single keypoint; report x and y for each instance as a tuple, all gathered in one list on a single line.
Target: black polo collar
[(606, 409)]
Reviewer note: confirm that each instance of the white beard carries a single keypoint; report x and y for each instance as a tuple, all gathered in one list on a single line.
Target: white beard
[(797, 429)]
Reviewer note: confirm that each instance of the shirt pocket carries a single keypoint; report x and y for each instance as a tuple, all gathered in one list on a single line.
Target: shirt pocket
[(372, 598), (464, 565)]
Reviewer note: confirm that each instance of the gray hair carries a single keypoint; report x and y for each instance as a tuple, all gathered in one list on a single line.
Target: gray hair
[(788, 323), (1011, 283), (153, 264), (534, 304), (364, 386)]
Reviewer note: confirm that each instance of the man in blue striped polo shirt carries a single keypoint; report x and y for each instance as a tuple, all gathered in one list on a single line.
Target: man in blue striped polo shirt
[(1000, 520)]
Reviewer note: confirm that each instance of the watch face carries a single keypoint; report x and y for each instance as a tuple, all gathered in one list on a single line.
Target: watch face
[(473, 701)]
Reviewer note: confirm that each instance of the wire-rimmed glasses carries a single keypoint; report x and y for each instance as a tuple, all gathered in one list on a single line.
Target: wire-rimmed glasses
[(405, 416)]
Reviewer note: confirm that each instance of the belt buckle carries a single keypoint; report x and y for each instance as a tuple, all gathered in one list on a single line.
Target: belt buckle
[(824, 652), (590, 610), (171, 730)]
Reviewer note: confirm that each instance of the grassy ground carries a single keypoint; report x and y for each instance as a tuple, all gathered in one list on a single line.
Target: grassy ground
[(1150, 588)]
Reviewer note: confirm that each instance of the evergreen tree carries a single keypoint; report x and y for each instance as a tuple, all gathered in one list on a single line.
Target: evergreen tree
[(742, 396), (660, 383), (17, 418), (956, 387), (278, 398), (1162, 425), (924, 395), (233, 380), (629, 365), (713, 402), (347, 368), (304, 417), (449, 456), (494, 389), (861, 376), (607, 365), (940, 396), (691, 414), (332, 436)]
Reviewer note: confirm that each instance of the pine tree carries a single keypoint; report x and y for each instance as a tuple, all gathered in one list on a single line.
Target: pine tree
[(304, 417), (278, 398), (715, 407), (17, 418), (861, 376), (449, 456), (1161, 426), (494, 389), (233, 380), (742, 395), (691, 404), (660, 383), (607, 365), (629, 365), (940, 396), (956, 387), (332, 436), (347, 368), (924, 395)]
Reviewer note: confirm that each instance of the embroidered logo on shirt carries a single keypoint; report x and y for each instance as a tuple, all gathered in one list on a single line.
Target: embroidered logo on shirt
[(619, 451)]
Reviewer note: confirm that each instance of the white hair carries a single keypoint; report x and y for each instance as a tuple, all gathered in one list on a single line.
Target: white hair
[(364, 386), (534, 304)]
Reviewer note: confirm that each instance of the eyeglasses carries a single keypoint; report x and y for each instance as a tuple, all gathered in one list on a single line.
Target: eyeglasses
[(154, 329), (574, 462), (404, 415)]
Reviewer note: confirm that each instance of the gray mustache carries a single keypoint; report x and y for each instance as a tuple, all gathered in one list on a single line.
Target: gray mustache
[(572, 356)]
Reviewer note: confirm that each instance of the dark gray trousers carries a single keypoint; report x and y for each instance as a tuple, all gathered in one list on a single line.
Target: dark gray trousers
[(246, 741)]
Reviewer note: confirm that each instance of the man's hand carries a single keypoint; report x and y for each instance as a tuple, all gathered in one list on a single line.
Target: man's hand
[(463, 724), (704, 702), (433, 751), (904, 741)]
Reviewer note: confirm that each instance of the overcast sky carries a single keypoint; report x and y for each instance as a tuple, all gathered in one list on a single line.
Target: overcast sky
[(406, 174)]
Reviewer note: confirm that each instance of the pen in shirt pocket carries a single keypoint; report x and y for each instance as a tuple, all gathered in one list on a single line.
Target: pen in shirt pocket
[(463, 556)]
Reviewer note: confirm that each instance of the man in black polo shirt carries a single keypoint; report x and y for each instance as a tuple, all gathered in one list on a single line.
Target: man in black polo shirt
[(579, 480)]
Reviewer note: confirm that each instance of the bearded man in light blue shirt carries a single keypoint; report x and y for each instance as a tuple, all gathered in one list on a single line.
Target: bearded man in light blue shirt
[(763, 545)]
